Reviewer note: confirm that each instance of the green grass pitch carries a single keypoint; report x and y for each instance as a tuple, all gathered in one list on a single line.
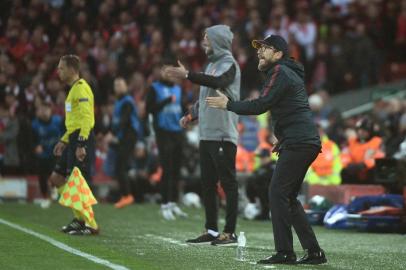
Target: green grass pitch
[(137, 237)]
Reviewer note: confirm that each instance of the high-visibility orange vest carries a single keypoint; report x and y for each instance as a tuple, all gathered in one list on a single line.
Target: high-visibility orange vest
[(365, 152), (323, 164), (345, 156), (244, 160)]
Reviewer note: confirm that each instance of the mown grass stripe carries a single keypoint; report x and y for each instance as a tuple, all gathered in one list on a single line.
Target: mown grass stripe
[(64, 246)]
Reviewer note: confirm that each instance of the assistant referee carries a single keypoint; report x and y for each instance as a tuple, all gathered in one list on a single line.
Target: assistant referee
[(76, 147)]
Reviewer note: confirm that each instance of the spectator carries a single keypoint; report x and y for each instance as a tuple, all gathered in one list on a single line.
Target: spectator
[(374, 27), (325, 170), (337, 67), (321, 63), (248, 129), (47, 129), (401, 31), (360, 55), (258, 183), (164, 102), (244, 160), (127, 129), (8, 136), (145, 174), (359, 158), (401, 151), (278, 25), (304, 32)]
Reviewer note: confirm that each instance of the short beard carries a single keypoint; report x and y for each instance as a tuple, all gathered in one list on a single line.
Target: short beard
[(264, 66)]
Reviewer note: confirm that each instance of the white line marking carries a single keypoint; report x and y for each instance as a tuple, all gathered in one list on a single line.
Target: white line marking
[(65, 247), (167, 239)]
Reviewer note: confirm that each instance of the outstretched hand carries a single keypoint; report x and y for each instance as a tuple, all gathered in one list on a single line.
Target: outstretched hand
[(185, 121), (179, 72), (219, 102)]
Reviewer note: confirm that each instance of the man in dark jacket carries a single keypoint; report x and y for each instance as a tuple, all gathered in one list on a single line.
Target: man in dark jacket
[(298, 145), (218, 132)]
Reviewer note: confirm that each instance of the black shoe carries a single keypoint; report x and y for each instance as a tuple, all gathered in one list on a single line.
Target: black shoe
[(280, 258), (75, 224), (313, 257), (225, 239), (85, 230), (205, 238)]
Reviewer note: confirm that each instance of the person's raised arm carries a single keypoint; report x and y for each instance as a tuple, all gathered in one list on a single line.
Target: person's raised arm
[(213, 81), (216, 81), (270, 95)]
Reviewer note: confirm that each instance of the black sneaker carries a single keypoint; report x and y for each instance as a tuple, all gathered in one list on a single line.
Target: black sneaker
[(205, 238), (75, 224), (279, 258), (225, 239), (313, 257), (85, 230)]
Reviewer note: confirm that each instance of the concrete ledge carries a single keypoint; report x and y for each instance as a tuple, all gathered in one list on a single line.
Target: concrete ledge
[(101, 183)]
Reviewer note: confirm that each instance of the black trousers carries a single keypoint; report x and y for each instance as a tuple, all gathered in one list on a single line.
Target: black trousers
[(64, 165), (125, 151), (45, 167), (286, 210), (140, 186), (170, 156), (217, 162)]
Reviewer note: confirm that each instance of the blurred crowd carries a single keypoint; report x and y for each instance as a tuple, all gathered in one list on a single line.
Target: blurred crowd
[(343, 44)]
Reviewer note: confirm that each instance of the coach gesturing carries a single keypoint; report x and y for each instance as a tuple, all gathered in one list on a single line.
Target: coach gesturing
[(298, 145)]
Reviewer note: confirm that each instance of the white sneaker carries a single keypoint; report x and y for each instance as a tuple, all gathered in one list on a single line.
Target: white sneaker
[(176, 210), (251, 211), (45, 204), (166, 212)]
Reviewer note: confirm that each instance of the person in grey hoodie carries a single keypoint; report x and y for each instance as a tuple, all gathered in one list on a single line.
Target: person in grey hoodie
[(218, 132)]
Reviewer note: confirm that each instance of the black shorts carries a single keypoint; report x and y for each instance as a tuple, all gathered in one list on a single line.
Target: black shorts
[(66, 163)]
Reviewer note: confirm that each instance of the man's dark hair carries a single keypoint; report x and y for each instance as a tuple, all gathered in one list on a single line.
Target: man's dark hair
[(72, 61)]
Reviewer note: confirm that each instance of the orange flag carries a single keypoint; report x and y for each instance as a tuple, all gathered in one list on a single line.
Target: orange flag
[(77, 195)]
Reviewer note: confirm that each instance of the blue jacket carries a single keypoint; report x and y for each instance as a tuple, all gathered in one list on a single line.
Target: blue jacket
[(168, 117), (47, 134), (125, 116)]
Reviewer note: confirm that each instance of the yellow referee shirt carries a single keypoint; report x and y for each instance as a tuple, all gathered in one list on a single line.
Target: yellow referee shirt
[(79, 110)]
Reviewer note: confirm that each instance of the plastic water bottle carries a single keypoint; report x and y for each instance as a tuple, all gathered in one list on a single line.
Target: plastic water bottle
[(241, 251)]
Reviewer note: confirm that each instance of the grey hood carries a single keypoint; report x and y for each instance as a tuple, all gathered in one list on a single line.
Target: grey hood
[(220, 37)]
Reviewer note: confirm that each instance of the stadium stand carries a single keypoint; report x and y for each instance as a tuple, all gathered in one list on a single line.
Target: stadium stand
[(351, 51)]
